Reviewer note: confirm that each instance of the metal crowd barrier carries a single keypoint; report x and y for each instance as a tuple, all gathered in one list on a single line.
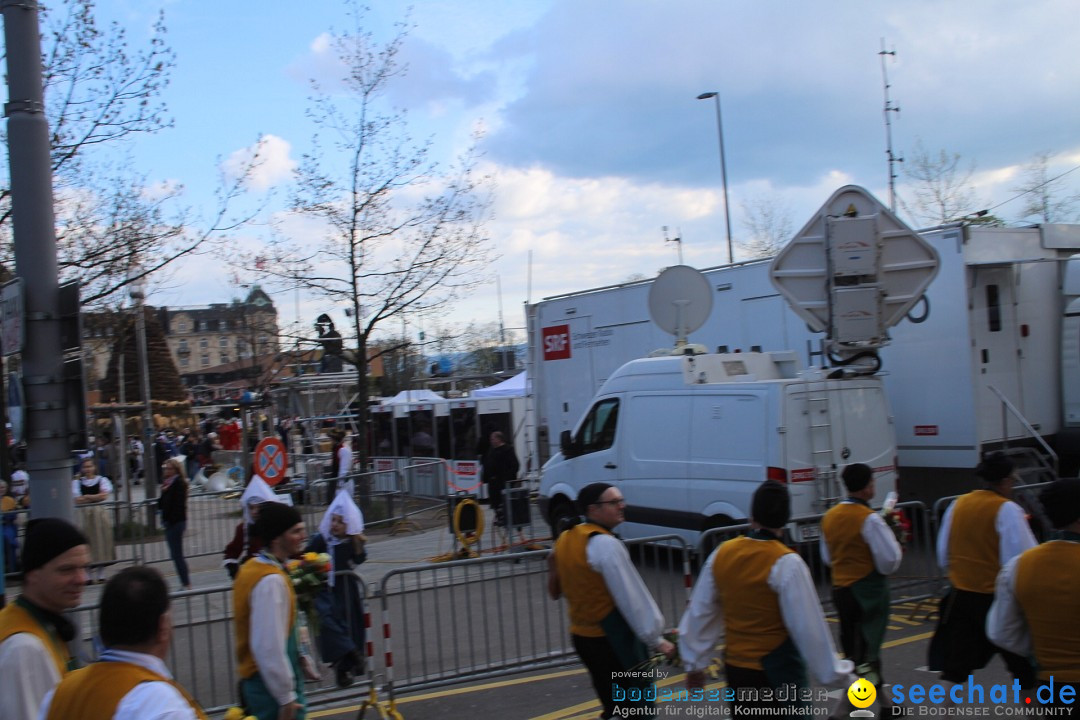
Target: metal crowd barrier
[(202, 656), (478, 618)]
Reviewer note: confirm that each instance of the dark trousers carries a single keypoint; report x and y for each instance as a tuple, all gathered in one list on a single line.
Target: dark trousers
[(960, 642), (174, 537), (749, 686), (852, 639), (602, 662)]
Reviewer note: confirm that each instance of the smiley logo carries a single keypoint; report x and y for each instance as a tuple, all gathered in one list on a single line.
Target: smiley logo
[(862, 693)]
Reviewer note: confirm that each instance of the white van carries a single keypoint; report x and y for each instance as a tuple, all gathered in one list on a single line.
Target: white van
[(687, 439)]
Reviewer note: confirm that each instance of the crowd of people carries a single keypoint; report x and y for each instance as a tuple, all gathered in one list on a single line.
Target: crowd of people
[(1008, 595)]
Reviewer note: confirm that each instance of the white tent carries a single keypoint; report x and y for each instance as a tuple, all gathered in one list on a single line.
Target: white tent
[(511, 387), (408, 396)]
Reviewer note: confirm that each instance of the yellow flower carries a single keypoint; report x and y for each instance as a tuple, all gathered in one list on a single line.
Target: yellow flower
[(310, 557), (235, 713), (323, 558)]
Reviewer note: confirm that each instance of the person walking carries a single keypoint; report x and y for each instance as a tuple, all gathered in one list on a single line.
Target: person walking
[(264, 608), (615, 624), (130, 680), (35, 636), (980, 532), (1037, 598), (500, 468), (760, 592), (862, 551), (173, 506), (340, 605)]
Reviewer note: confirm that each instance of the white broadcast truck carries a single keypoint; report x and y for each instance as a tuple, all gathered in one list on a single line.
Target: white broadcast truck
[(688, 435), (1000, 322)]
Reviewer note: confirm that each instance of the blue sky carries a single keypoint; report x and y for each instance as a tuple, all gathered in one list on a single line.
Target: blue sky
[(594, 133)]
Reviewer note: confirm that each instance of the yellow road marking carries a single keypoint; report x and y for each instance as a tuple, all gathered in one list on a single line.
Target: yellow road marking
[(565, 713)]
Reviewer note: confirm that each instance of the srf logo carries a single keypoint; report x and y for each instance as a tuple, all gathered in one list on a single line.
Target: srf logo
[(557, 342)]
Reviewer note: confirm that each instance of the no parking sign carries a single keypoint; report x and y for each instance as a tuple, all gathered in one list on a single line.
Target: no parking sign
[(270, 460)]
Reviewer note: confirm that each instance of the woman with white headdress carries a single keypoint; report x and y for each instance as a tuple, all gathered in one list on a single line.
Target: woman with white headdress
[(245, 543), (340, 605)]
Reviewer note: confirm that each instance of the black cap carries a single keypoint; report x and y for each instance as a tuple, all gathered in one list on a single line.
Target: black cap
[(857, 476), (274, 519), (995, 467), (48, 538), (590, 494), (771, 506)]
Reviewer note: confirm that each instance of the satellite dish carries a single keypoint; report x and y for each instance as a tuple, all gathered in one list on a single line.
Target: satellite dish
[(680, 301)]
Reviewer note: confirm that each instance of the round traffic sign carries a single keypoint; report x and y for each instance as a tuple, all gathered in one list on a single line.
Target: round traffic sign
[(270, 460)]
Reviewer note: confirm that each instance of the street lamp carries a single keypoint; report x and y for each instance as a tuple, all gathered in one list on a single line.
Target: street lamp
[(723, 169), (137, 292)]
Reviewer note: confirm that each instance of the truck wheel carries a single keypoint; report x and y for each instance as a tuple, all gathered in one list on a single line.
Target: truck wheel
[(563, 517)]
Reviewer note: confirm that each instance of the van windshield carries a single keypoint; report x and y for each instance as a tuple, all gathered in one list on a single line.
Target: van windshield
[(597, 431)]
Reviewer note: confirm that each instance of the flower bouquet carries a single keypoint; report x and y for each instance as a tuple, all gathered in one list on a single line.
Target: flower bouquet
[(897, 520), (659, 658), (235, 713), (308, 574)]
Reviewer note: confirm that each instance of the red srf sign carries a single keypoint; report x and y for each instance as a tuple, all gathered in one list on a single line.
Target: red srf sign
[(557, 342)]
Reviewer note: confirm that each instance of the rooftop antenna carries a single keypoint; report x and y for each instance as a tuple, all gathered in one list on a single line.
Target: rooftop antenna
[(677, 240), (893, 159)]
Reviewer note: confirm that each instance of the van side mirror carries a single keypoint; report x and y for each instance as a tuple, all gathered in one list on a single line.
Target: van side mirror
[(566, 444)]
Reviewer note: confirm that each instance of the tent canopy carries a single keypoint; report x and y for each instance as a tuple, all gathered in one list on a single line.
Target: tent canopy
[(511, 387), (409, 396)]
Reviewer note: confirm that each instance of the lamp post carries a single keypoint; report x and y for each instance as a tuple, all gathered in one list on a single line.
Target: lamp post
[(723, 169), (137, 292)]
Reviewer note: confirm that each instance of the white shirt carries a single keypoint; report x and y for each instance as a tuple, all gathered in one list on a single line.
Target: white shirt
[(27, 674), (884, 547), (1012, 527), (344, 456), (1005, 623), (155, 700), (702, 623), (106, 486), (269, 634), (608, 556)]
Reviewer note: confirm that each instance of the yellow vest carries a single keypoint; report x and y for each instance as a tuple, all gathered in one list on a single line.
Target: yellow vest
[(587, 597), (974, 543), (249, 576), (1048, 592), (849, 552), (754, 625), (16, 619), (95, 691)]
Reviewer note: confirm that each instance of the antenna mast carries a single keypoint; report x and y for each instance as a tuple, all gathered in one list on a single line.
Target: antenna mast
[(893, 159), (677, 240)]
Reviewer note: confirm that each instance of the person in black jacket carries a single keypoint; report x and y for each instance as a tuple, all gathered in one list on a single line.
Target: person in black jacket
[(500, 467), (173, 506)]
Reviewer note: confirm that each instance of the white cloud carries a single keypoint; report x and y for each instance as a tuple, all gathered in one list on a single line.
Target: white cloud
[(267, 163)]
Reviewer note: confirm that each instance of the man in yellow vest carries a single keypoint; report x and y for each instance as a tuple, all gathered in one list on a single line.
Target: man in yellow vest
[(130, 681), (264, 611), (1037, 600), (761, 592), (980, 532), (34, 635), (862, 551), (615, 624)]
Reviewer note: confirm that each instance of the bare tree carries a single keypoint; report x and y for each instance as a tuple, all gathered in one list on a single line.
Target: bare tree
[(399, 234), (1046, 197), (940, 187), (101, 95), (767, 221)]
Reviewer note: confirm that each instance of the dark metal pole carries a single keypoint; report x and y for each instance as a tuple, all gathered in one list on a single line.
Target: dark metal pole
[(723, 169), (48, 455)]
